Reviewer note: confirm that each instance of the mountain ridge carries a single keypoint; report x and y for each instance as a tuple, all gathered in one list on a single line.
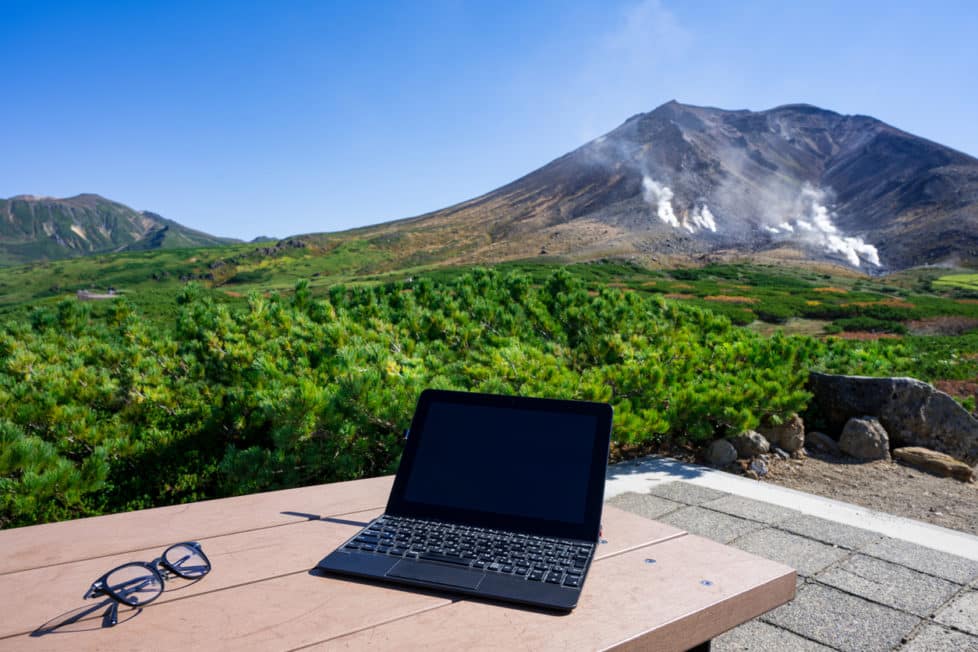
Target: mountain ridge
[(684, 182), (34, 228)]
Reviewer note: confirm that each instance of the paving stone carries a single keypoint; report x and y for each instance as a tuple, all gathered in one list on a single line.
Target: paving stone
[(926, 560), (826, 531), (934, 638), (842, 621), (684, 492), (891, 584), (804, 555), (754, 510), (760, 636), (961, 613), (645, 504), (712, 525)]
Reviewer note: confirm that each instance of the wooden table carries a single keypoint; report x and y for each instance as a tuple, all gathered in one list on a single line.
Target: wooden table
[(651, 586)]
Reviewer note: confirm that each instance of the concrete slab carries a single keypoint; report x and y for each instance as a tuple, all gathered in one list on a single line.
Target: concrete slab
[(710, 524), (831, 532), (842, 621), (651, 507), (642, 475), (804, 555), (890, 584), (934, 638), (685, 492), (924, 559), (754, 510), (759, 636), (961, 613)]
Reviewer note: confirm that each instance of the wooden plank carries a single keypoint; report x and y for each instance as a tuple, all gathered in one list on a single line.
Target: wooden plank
[(627, 603), (101, 536), (249, 569), (33, 597), (276, 614)]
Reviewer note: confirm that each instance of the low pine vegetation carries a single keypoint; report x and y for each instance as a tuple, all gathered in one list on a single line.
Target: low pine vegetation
[(104, 409)]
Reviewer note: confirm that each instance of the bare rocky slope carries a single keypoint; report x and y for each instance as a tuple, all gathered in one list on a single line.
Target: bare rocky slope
[(684, 182)]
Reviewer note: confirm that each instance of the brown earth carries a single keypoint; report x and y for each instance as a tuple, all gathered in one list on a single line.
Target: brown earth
[(886, 486)]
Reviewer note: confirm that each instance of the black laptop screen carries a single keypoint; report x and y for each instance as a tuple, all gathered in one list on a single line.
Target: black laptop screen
[(507, 463)]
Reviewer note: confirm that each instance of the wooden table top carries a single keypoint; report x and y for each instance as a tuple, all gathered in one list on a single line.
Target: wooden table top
[(262, 594)]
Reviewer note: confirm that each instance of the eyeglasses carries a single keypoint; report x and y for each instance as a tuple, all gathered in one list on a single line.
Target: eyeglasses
[(138, 583)]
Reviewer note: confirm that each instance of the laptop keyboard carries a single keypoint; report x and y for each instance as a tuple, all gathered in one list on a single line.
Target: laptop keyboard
[(534, 558)]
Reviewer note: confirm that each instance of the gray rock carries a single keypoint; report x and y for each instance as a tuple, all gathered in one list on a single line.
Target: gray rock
[(750, 444), (782, 454), (759, 467), (790, 435), (721, 453), (822, 442), (865, 439), (911, 411)]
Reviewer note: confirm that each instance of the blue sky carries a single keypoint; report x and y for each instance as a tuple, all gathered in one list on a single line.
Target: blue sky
[(278, 118)]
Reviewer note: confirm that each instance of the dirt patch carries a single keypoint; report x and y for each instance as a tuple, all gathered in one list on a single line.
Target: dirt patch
[(893, 303), (945, 325), (679, 296), (831, 290), (884, 486)]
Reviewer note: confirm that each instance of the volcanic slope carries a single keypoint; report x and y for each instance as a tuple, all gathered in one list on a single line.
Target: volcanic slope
[(45, 228), (684, 183)]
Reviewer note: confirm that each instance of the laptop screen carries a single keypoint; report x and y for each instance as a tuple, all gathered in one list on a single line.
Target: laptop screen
[(529, 464)]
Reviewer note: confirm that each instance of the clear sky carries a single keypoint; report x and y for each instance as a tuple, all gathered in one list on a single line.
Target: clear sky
[(278, 118)]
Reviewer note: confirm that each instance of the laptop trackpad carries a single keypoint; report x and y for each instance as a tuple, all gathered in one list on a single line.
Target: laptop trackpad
[(437, 574)]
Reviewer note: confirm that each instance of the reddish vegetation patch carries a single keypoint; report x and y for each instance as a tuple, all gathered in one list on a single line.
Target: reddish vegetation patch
[(944, 325), (679, 296), (958, 388), (682, 286), (970, 302), (866, 335), (831, 290), (232, 293), (728, 298)]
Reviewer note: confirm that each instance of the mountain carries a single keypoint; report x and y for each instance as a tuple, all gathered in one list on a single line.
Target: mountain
[(685, 182), (45, 228)]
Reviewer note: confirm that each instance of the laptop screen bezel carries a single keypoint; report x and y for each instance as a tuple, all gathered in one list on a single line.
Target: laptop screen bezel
[(588, 530)]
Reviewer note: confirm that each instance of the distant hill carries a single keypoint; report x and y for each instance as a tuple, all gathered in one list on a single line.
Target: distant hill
[(45, 228), (687, 183)]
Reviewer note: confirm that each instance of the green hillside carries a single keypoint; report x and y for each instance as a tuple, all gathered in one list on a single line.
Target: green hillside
[(45, 228)]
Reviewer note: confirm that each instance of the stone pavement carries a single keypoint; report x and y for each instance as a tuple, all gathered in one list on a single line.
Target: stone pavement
[(857, 589)]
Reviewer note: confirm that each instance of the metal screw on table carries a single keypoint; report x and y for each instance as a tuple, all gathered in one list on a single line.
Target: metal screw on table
[(649, 561), (706, 582)]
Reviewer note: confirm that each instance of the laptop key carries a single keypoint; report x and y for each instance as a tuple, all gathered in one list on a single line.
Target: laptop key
[(572, 582), (553, 578), (535, 575)]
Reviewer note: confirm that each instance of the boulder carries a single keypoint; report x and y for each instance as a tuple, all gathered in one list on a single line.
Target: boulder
[(911, 411), (822, 442), (865, 439), (789, 436), (750, 444), (935, 462), (721, 453)]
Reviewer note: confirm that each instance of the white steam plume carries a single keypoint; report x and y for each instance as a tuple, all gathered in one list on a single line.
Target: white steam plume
[(701, 218), (812, 223), (659, 197)]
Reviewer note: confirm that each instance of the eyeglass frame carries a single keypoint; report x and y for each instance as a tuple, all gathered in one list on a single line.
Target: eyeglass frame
[(100, 586)]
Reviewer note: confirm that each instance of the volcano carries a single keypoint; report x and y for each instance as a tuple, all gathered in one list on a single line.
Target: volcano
[(796, 182)]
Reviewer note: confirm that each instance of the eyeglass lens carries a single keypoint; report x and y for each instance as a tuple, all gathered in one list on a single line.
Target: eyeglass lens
[(134, 584), (186, 561)]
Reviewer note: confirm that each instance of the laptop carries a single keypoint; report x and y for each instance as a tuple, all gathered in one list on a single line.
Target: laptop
[(496, 497)]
